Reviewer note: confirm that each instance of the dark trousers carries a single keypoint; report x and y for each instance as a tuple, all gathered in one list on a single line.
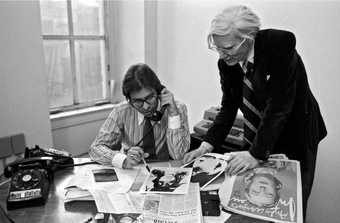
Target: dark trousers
[(307, 176)]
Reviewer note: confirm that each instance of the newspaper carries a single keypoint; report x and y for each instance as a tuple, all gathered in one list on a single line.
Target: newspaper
[(114, 203), (173, 208), (269, 192)]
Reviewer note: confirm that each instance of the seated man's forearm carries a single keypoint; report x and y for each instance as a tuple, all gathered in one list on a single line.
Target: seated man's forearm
[(106, 156)]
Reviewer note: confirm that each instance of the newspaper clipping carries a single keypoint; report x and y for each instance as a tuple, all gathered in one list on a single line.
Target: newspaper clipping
[(173, 208)]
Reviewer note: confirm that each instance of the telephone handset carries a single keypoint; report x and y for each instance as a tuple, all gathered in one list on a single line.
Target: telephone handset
[(30, 181), (157, 115)]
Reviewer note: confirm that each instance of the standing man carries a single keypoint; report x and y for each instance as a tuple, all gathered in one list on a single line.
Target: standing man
[(150, 114), (262, 74)]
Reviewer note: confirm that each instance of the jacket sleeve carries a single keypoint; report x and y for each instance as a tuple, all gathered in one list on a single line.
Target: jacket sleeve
[(229, 106), (281, 57)]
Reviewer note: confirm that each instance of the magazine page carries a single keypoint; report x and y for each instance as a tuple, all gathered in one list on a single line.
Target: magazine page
[(270, 192), (207, 168), (173, 208), (167, 180)]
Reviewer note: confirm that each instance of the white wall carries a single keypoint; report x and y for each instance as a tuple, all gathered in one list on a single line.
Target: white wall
[(189, 70), (23, 93)]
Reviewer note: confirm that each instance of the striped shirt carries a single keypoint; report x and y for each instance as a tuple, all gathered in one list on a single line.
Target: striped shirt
[(124, 128)]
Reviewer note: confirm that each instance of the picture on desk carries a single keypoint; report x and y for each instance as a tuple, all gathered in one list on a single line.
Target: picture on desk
[(207, 168), (269, 192), (105, 175), (167, 180)]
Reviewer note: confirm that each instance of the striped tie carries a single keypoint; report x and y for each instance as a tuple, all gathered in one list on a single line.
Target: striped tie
[(252, 115), (149, 140)]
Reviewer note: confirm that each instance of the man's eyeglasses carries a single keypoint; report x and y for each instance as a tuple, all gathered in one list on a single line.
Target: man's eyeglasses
[(228, 50), (139, 102)]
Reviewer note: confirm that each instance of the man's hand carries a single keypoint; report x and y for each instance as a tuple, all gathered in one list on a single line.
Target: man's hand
[(134, 156), (203, 149), (239, 162), (167, 98)]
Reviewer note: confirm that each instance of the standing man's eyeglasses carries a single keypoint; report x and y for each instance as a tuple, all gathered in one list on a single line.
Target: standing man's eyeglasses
[(228, 50), (139, 102)]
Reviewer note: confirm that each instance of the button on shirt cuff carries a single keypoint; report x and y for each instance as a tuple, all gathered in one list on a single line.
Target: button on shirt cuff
[(118, 160), (174, 122)]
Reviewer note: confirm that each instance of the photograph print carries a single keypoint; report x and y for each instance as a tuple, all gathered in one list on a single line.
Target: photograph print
[(167, 180), (105, 175), (207, 168), (271, 192)]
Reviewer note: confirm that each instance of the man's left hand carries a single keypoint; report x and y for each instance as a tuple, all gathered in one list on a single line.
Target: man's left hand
[(240, 162)]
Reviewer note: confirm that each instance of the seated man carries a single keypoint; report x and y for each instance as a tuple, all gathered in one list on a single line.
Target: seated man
[(121, 142)]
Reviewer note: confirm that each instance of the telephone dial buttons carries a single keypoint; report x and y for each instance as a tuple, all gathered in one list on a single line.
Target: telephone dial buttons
[(26, 178)]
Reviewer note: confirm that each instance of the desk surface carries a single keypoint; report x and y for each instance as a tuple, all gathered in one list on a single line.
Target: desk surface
[(55, 211)]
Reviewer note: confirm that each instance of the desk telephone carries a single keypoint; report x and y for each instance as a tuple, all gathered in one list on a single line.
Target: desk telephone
[(32, 175)]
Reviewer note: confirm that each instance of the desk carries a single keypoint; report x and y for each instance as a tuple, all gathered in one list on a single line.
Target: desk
[(55, 211)]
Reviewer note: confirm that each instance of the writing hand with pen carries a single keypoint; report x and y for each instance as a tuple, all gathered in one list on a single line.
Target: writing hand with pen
[(135, 155)]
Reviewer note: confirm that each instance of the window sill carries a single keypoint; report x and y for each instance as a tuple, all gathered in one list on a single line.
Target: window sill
[(81, 116)]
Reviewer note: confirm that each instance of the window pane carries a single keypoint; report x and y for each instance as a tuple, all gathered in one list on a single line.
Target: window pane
[(90, 70), (54, 17), (58, 68), (88, 17)]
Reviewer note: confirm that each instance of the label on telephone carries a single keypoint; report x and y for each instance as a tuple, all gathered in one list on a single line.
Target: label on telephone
[(24, 195)]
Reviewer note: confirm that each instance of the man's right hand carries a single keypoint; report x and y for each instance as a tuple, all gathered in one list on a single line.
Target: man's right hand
[(203, 149), (133, 156), (129, 162)]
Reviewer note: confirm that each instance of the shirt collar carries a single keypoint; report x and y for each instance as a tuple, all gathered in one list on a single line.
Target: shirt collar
[(250, 59)]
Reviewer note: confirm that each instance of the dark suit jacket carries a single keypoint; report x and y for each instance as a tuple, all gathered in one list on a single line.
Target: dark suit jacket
[(292, 121)]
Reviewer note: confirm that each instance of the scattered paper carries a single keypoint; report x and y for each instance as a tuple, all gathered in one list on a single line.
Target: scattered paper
[(173, 208)]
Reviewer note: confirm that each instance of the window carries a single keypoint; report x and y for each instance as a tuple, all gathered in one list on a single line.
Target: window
[(76, 53)]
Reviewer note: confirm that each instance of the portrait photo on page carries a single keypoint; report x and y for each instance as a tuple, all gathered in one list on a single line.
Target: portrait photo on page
[(167, 180), (105, 175), (207, 168), (271, 192)]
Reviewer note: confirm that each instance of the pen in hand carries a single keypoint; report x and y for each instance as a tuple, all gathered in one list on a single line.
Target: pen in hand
[(146, 165)]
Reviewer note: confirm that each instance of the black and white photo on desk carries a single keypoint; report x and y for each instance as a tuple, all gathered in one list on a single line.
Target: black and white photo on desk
[(207, 168), (169, 180)]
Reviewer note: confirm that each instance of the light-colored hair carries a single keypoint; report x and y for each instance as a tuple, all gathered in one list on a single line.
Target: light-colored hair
[(239, 20)]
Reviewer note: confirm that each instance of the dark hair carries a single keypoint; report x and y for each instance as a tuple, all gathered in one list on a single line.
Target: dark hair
[(140, 76)]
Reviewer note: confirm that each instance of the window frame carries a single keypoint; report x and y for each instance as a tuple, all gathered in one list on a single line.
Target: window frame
[(71, 38)]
